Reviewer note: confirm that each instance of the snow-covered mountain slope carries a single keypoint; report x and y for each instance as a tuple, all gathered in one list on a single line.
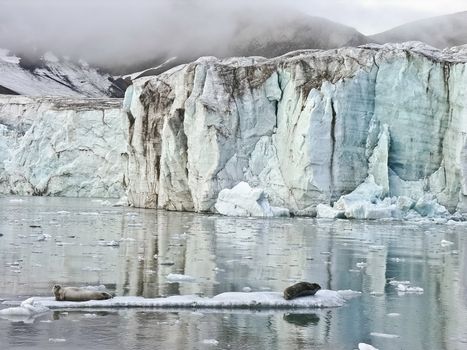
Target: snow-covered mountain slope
[(441, 32), (51, 76), (62, 147), (307, 128)]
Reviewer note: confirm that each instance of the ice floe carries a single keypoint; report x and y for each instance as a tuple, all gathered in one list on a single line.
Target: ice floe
[(229, 300), (175, 277)]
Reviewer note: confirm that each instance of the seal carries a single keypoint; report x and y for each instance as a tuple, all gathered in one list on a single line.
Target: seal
[(301, 289), (78, 294)]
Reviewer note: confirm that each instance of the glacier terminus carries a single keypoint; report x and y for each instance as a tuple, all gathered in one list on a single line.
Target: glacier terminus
[(370, 132)]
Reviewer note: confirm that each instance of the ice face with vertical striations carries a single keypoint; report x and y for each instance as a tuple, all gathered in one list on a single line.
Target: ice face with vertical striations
[(62, 147), (306, 128)]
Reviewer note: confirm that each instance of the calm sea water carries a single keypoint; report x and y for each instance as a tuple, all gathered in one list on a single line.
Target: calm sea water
[(82, 242)]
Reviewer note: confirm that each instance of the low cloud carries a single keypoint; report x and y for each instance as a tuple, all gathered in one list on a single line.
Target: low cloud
[(117, 32)]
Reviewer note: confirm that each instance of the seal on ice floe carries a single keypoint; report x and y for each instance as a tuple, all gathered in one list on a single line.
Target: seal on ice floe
[(78, 294), (301, 289)]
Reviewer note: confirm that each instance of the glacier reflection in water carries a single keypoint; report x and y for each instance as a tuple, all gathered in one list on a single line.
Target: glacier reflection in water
[(150, 253)]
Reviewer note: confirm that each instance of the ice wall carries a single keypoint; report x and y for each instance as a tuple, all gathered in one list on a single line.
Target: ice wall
[(62, 147), (307, 127)]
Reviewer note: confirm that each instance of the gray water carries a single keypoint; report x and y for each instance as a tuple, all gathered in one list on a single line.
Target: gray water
[(44, 241)]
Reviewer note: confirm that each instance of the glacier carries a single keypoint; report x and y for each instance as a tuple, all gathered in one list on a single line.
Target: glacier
[(308, 128), (62, 147), (370, 132)]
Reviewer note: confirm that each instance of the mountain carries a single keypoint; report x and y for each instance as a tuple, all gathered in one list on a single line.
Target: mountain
[(293, 32), (51, 76), (440, 32), (251, 36)]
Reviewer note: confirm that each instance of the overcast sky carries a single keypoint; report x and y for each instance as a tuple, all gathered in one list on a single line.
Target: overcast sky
[(374, 16), (100, 30)]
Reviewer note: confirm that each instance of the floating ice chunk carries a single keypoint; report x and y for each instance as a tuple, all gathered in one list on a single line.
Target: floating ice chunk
[(402, 288), (210, 342), (26, 312), (327, 212), (242, 200), (174, 277), (231, 300), (396, 283), (57, 340), (128, 239), (445, 243), (384, 335), (363, 346), (393, 314), (397, 260), (246, 289), (110, 243), (43, 237)]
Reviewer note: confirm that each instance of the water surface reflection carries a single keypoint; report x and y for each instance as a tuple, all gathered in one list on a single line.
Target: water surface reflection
[(130, 251)]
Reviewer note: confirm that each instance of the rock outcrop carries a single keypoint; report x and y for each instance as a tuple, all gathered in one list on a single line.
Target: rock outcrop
[(307, 127)]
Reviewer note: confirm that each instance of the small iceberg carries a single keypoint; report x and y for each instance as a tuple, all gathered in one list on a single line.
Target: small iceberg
[(229, 300), (175, 277), (26, 312), (242, 200)]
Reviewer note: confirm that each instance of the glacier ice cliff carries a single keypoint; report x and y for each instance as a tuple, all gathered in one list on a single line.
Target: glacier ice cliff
[(364, 132), (62, 147), (308, 128)]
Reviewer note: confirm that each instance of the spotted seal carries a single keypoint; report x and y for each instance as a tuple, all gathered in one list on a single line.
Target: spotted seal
[(78, 294), (301, 289)]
